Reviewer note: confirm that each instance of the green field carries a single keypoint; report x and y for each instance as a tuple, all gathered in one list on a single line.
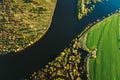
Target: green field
[(105, 37)]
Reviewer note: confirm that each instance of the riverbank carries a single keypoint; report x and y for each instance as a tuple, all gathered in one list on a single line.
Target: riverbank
[(64, 28)]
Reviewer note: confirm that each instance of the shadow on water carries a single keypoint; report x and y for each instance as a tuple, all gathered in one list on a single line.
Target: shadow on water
[(64, 28)]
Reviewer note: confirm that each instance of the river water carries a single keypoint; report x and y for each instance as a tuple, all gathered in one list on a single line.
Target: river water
[(64, 27)]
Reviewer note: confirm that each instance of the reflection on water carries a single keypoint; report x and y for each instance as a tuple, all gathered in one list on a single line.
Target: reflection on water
[(64, 28)]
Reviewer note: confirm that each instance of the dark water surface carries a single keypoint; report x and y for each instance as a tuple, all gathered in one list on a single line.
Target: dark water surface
[(64, 27)]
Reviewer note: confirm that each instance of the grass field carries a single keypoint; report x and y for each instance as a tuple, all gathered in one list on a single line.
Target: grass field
[(105, 37)]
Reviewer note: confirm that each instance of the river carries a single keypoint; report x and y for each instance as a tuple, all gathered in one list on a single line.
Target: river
[(64, 27)]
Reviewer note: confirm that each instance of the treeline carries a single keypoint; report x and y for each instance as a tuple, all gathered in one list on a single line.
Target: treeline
[(85, 6)]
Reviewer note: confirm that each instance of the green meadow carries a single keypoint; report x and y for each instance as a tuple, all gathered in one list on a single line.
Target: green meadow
[(105, 37)]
